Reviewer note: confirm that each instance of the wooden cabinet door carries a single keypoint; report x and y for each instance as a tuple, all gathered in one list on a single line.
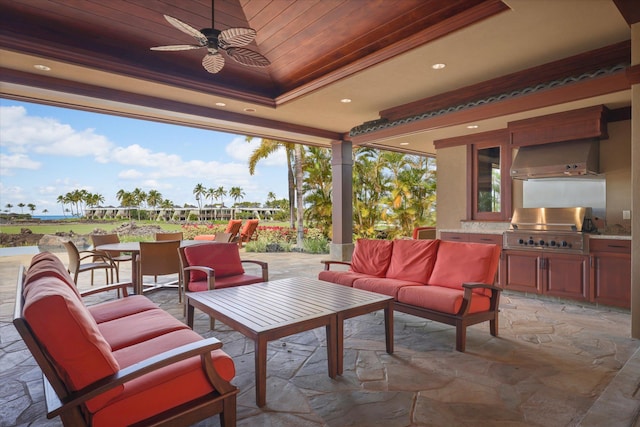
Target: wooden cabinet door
[(611, 272), (566, 276), (521, 271)]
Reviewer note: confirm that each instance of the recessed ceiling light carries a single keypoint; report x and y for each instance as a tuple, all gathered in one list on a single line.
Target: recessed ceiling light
[(221, 104), (345, 100), (404, 143), (472, 127), (438, 66), (42, 67), (250, 110)]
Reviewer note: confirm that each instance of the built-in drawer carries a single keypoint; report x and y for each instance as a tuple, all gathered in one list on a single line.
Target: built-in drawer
[(495, 239), (610, 245)]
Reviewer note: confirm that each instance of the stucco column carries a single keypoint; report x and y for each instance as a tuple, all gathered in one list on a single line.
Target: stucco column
[(635, 186), (342, 197)]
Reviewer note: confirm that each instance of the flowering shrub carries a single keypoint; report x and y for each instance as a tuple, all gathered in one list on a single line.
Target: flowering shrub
[(189, 231), (283, 239)]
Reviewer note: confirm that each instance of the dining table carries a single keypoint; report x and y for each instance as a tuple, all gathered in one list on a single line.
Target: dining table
[(134, 249)]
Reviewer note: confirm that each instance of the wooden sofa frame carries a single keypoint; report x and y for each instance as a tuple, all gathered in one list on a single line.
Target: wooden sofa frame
[(462, 319), (68, 404)]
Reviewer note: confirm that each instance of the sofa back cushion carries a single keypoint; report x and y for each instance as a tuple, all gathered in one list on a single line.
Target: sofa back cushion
[(412, 260), (70, 335), (224, 258), (46, 264), (371, 256), (459, 263)]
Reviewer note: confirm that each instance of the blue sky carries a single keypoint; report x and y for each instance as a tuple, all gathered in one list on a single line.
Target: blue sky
[(47, 151)]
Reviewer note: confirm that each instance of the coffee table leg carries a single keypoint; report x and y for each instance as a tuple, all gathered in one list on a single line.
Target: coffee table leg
[(261, 371), (334, 346), (388, 327), (190, 310), (339, 344)]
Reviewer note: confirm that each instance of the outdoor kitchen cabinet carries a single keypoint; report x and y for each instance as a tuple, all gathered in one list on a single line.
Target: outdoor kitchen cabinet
[(495, 239), (611, 272), (553, 274)]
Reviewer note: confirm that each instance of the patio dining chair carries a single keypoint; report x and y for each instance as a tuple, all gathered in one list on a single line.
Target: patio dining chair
[(168, 236), (159, 259), (116, 256), (99, 261)]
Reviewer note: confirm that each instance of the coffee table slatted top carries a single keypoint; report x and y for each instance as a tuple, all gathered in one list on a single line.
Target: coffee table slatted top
[(277, 303)]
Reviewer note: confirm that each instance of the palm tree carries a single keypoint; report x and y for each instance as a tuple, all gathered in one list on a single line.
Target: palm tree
[(211, 195), (199, 192), (126, 200), (8, 206), (268, 147), (21, 206), (236, 193), (45, 211), (220, 192), (32, 208), (154, 198), (139, 198), (62, 201), (317, 189)]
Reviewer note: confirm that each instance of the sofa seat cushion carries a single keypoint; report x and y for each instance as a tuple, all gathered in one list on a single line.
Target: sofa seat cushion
[(412, 260), (383, 285), (443, 299), (371, 257), (122, 307), (163, 388), (459, 263), (224, 258), (345, 278), (224, 282), (66, 329), (138, 327)]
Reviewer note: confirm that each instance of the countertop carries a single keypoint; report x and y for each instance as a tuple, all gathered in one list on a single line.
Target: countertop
[(499, 232)]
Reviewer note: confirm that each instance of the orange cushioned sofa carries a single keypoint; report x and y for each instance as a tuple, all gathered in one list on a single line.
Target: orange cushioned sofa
[(121, 362), (449, 282)]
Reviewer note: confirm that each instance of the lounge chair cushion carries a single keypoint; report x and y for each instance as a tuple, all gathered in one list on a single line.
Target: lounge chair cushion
[(459, 263), (207, 237), (224, 258), (163, 388), (372, 257), (122, 307), (139, 327), (442, 299), (57, 317), (412, 260), (383, 285)]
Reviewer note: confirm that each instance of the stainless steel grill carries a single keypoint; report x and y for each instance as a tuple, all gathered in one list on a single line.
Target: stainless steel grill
[(562, 230)]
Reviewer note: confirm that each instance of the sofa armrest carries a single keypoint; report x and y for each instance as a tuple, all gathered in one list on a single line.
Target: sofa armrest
[(263, 266), (468, 293), (328, 263), (98, 289), (203, 348)]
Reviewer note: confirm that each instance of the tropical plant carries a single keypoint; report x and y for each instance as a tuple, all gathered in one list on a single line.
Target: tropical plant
[(31, 207), (21, 206), (317, 189), (236, 193), (199, 192)]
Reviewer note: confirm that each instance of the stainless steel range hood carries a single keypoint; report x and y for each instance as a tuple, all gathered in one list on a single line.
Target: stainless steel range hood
[(561, 159)]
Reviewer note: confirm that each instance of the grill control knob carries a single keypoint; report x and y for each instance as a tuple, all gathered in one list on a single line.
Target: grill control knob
[(521, 241), (530, 241), (552, 243), (564, 244), (541, 242)]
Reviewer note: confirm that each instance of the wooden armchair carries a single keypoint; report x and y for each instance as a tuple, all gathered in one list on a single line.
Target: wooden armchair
[(88, 381), (213, 265)]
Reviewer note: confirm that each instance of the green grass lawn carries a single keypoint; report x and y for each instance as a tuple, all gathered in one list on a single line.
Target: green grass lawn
[(78, 227)]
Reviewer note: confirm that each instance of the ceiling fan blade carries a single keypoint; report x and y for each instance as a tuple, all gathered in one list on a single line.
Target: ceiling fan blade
[(247, 57), (187, 29), (177, 47), (236, 37), (213, 62)]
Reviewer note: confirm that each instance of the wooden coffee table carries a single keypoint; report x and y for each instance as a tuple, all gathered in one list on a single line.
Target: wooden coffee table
[(272, 310)]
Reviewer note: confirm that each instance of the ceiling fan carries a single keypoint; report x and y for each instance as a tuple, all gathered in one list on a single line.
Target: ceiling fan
[(229, 41)]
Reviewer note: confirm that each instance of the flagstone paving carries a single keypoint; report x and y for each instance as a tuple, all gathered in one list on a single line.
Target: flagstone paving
[(554, 364)]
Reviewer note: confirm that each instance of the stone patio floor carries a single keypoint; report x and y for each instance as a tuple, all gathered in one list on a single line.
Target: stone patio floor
[(554, 364)]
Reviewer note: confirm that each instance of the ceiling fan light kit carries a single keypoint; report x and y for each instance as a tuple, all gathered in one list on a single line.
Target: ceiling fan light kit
[(230, 41)]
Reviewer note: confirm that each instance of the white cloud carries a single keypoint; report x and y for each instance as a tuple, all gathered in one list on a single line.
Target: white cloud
[(22, 133), (130, 174), (16, 161)]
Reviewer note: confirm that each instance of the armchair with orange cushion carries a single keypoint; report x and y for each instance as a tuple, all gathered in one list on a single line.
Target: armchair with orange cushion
[(120, 362), (449, 282)]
